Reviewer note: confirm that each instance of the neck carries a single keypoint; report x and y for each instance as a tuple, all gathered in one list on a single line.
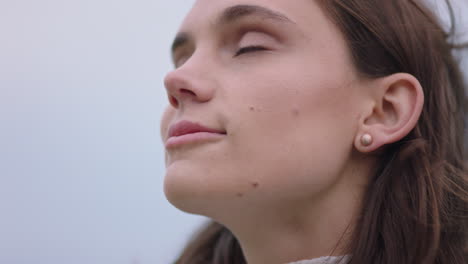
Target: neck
[(321, 226)]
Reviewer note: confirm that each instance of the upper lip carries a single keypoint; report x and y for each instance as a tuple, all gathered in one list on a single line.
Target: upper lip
[(187, 127)]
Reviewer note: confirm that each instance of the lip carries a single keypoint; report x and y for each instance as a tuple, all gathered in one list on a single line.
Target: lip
[(186, 132)]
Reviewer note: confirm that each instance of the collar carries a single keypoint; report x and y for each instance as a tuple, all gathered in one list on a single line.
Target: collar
[(324, 260)]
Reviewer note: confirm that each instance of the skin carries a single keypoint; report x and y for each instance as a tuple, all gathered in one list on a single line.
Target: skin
[(289, 175)]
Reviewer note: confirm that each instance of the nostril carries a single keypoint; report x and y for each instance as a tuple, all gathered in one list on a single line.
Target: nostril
[(186, 91), (173, 101)]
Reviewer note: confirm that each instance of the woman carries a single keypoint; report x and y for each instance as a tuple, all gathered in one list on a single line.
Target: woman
[(319, 128)]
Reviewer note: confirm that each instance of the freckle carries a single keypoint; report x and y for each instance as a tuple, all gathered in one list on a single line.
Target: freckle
[(295, 111), (252, 108), (255, 184), (240, 194)]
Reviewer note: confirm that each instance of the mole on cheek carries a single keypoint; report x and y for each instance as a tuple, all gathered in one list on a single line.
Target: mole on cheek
[(255, 184), (295, 111), (254, 109)]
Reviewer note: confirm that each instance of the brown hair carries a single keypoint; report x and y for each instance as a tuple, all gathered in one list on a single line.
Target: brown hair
[(416, 207)]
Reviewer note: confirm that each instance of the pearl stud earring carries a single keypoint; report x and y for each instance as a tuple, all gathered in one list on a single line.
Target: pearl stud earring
[(366, 140)]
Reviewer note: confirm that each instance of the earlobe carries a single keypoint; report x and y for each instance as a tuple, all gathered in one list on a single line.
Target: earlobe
[(398, 102)]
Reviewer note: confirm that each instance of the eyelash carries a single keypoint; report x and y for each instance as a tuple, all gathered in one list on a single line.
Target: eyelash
[(249, 49)]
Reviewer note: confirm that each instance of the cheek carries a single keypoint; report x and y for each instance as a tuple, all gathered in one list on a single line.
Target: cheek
[(292, 136)]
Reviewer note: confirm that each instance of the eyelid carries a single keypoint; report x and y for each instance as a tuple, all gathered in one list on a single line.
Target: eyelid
[(256, 38), (248, 49), (246, 36), (256, 24)]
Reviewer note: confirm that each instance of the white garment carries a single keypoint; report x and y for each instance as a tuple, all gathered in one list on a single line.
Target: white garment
[(324, 260)]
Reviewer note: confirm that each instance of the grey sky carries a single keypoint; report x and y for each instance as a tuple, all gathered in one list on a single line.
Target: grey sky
[(81, 162)]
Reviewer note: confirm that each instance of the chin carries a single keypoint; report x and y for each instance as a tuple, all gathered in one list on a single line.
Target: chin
[(180, 190), (195, 189), (188, 188)]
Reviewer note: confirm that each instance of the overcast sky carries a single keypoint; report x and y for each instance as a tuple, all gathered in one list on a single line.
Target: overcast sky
[(81, 162)]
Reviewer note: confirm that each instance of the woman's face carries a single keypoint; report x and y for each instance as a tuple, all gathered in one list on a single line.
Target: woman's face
[(274, 83)]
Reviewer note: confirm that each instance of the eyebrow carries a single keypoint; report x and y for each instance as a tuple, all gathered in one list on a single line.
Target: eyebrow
[(233, 14)]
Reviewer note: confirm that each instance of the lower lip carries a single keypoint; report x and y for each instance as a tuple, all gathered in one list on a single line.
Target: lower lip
[(173, 142)]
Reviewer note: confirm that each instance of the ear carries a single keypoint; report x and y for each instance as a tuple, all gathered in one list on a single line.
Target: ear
[(397, 102)]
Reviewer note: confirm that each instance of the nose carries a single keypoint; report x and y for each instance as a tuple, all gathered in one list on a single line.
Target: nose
[(188, 84)]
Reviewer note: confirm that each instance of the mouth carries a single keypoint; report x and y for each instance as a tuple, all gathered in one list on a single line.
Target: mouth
[(186, 132)]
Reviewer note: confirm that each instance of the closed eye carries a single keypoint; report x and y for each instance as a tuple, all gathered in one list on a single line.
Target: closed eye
[(249, 49)]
